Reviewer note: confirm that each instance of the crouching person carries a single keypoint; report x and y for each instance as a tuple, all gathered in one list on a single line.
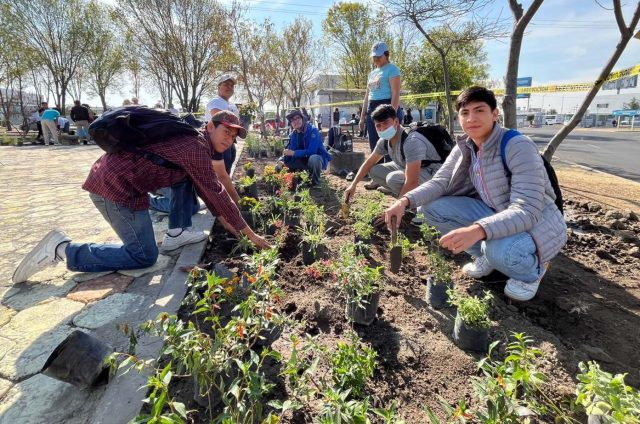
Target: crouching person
[(305, 151), (503, 214), (414, 160), (118, 185)]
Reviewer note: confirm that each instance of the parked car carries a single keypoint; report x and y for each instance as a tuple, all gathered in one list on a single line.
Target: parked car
[(550, 119)]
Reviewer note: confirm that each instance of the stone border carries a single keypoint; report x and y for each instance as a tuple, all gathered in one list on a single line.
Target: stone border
[(122, 399)]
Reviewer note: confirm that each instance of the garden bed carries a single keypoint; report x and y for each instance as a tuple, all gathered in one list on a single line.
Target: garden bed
[(587, 309)]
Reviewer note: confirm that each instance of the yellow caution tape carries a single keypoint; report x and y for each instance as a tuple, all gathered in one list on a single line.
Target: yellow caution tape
[(552, 88)]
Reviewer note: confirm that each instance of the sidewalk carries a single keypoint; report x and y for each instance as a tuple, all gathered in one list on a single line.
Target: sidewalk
[(40, 189)]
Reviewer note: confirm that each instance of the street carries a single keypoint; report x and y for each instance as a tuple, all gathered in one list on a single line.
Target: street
[(617, 153)]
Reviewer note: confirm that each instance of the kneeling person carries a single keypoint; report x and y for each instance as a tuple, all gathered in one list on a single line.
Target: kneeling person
[(305, 150), (414, 160)]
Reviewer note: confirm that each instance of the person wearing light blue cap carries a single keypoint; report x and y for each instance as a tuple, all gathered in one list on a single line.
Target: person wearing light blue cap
[(383, 87)]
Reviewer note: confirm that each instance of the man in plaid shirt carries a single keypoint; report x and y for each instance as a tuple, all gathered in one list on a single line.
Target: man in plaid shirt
[(119, 184)]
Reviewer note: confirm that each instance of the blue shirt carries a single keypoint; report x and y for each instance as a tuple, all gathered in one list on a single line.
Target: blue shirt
[(378, 82), (50, 114), (306, 144)]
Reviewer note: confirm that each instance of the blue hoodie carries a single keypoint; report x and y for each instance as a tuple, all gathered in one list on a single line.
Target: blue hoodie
[(306, 144)]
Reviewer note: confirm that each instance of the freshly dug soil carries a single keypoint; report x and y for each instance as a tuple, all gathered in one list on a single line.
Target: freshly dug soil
[(587, 307)]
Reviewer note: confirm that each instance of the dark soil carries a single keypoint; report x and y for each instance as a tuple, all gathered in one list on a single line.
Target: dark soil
[(588, 307)]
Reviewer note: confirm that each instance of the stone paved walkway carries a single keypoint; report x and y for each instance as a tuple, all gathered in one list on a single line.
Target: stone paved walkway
[(40, 189)]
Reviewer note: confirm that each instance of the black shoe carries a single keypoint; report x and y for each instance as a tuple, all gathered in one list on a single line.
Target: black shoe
[(84, 142), (50, 144), (350, 176)]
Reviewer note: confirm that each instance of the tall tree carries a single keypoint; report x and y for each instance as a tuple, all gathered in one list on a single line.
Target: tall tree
[(424, 72), (458, 23), (188, 38), (520, 21), (626, 32), (57, 31), (352, 29), (105, 60), (298, 39)]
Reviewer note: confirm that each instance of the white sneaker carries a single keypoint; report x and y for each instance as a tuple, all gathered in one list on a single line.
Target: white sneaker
[(479, 268), (521, 291), (185, 237), (42, 256)]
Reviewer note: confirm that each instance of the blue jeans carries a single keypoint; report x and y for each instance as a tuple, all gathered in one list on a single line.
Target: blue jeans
[(514, 256), (139, 249), (179, 201), (229, 157), (313, 164)]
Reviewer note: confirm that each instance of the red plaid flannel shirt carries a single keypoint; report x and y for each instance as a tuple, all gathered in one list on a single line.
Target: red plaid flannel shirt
[(126, 178)]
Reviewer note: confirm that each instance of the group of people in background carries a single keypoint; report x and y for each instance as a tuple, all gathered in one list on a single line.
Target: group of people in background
[(50, 122)]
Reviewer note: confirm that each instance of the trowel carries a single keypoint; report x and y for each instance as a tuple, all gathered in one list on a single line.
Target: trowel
[(396, 250)]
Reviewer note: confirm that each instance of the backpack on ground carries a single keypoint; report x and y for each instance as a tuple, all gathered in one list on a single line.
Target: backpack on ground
[(551, 173), (436, 134), (339, 141), (131, 128)]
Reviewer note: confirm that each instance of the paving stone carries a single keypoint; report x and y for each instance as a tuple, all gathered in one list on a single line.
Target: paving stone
[(26, 295), (100, 287), (41, 399), (162, 263), (5, 315), (31, 323), (159, 229), (5, 385), (81, 277), (27, 357), (108, 310)]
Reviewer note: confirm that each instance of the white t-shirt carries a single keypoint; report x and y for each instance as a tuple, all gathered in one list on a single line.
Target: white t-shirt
[(219, 103)]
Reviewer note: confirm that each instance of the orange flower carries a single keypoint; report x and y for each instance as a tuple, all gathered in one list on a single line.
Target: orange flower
[(276, 297), (269, 312), (241, 331), (251, 279), (460, 413), (259, 269), (501, 382)]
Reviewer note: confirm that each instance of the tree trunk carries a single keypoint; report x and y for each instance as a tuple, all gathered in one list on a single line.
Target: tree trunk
[(513, 63), (447, 91), (625, 36), (103, 100)]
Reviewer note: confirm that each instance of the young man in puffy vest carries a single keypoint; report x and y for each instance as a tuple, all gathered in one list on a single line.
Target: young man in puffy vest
[(305, 150), (118, 185), (505, 222)]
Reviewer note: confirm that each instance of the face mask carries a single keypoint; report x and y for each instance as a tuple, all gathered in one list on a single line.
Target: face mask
[(388, 133)]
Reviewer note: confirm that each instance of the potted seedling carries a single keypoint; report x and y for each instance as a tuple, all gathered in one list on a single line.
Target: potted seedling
[(274, 223), (313, 243), (360, 283), (362, 239), (248, 186), (250, 210), (430, 234), (249, 169), (606, 398), (439, 282), (243, 245), (471, 330)]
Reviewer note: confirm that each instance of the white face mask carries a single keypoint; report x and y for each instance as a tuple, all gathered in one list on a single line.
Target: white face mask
[(388, 133)]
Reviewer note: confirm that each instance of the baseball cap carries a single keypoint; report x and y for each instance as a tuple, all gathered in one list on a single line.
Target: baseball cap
[(226, 77), (230, 120), (379, 48)]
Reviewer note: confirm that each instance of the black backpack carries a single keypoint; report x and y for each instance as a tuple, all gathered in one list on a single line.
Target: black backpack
[(339, 141), (132, 127), (436, 134), (551, 173)]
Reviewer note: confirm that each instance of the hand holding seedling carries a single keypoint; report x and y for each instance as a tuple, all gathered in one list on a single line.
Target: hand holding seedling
[(461, 239)]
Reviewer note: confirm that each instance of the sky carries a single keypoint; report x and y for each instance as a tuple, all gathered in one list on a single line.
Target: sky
[(567, 40)]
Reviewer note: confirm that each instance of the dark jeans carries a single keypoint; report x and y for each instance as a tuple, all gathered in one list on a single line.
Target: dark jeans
[(179, 201), (39, 130), (229, 157)]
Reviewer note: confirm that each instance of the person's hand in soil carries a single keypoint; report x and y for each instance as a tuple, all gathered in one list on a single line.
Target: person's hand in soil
[(397, 210), (459, 240), (228, 226), (260, 242)]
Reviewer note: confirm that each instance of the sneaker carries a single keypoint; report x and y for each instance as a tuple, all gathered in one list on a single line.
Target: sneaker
[(42, 256), (521, 291), (479, 268), (385, 190), (371, 185), (185, 237)]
